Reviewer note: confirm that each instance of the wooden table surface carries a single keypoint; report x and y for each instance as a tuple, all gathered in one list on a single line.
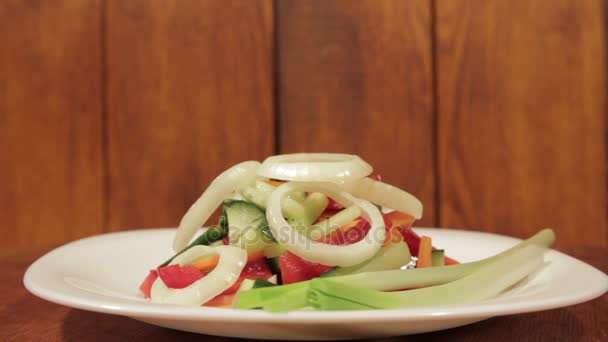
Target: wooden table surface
[(24, 317)]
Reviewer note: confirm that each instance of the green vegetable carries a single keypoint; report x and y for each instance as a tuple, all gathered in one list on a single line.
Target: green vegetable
[(391, 257), (299, 209), (248, 227), (437, 258), (260, 283), (323, 228), (384, 280), (315, 204), (264, 297), (209, 236), (485, 282)]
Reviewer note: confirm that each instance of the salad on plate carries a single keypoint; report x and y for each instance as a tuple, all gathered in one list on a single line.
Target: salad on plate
[(320, 231)]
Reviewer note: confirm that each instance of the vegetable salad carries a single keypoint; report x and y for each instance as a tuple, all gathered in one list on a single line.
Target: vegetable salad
[(321, 231)]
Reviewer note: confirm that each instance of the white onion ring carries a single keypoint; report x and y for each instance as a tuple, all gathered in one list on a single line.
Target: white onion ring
[(225, 274), (315, 167), (221, 188), (314, 251), (385, 195)]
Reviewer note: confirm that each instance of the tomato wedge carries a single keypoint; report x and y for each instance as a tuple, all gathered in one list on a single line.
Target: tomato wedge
[(253, 270), (178, 277), (295, 269)]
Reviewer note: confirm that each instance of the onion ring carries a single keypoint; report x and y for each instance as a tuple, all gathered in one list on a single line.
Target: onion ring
[(315, 251), (222, 187)]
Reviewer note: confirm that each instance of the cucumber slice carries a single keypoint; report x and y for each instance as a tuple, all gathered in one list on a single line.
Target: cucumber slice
[(438, 257), (391, 257), (315, 204), (209, 236), (258, 283), (299, 209), (224, 220), (259, 193), (247, 224), (274, 250), (318, 230)]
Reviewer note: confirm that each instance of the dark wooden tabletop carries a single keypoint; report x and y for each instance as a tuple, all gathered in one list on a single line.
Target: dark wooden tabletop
[(24, 317)]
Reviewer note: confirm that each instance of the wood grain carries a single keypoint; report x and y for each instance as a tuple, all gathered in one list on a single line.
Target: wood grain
[(522, 117), (356, 77), (189, 94), (50, 121)]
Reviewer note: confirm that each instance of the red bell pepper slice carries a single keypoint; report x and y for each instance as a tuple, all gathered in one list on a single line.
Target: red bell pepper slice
[(295, 269), (146, 285), (178, 277)]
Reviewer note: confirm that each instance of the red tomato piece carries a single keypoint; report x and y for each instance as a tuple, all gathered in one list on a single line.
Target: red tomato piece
[(295, 269), (253, 270), (449, 261), (146, 285), (178, 277), (333, 205)]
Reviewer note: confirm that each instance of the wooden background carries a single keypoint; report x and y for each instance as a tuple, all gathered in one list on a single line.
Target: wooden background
[(117, 114)]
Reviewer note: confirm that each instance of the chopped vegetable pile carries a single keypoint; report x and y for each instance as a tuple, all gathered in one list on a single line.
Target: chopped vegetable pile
[(320, 231)]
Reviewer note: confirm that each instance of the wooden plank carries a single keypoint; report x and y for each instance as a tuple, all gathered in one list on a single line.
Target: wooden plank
[(50, 121), (522, 124), (190, 93), (356, 77)]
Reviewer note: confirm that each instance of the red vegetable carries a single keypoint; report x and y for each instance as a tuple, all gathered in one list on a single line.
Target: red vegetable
[(178, 277), (403, 223), (333, 205), (449, 261), (295, 269), (253, 270), (146, 285)]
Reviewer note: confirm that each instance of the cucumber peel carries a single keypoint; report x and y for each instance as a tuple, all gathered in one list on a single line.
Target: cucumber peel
[(212, 234)]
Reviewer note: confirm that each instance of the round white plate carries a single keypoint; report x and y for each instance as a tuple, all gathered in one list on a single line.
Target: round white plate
[(102, 274)]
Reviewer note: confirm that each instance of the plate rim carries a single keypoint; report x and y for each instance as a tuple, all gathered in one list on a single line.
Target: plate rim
[(145, 309)]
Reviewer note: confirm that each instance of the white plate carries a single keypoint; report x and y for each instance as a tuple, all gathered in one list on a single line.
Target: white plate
[(102, 274)]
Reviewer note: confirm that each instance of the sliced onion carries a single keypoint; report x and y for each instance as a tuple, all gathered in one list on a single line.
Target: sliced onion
[(315, 251), (385, 195), (315, 167), (221, 188), (225, 274)]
